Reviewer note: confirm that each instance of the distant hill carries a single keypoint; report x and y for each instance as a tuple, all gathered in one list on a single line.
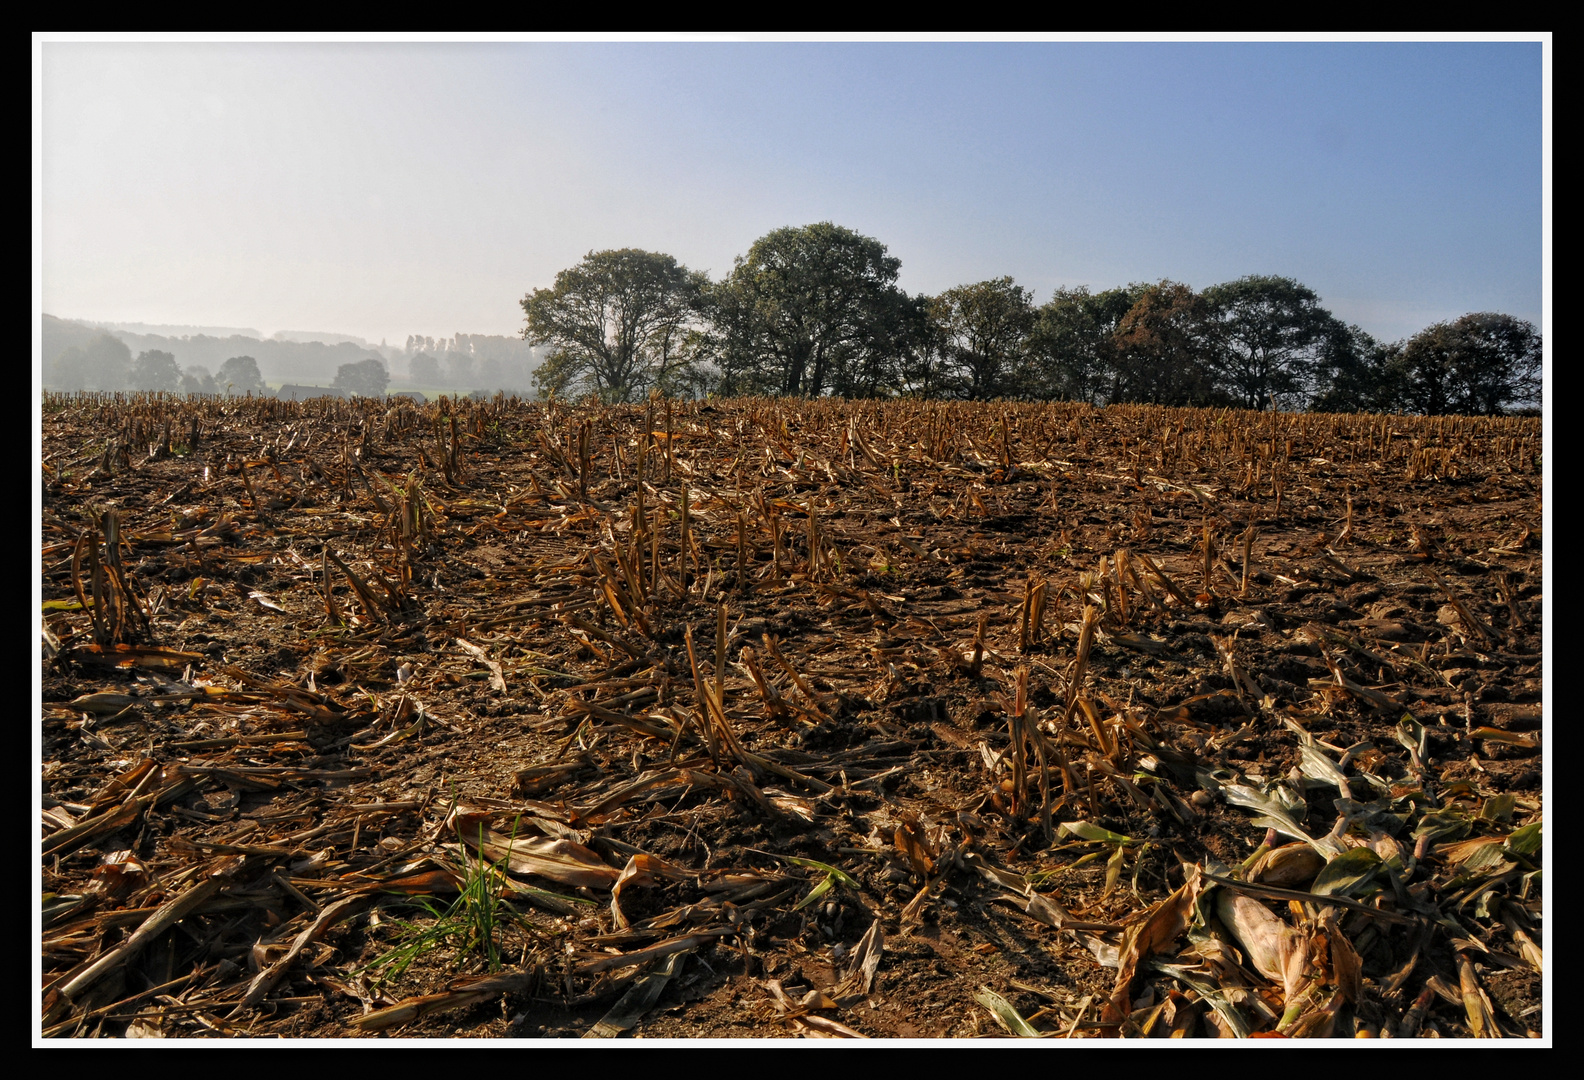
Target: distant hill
[(304, 336), (172, 330)]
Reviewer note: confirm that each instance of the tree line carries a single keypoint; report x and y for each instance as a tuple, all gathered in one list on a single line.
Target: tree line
[(105, 362), (467, 361), (816, 310), (80, 356)]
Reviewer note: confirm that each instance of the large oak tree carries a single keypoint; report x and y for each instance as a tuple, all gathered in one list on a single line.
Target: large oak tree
[(1163, 349), (1480, 363), (813, 310), (619, 323), (983, 333), (1270, 335)]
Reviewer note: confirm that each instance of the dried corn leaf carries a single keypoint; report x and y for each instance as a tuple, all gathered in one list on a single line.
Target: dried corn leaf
[(1349, 874), (641, 870), (638, 1000), (1166, 922), (555, 859), (1267, 940), (1005, 1014), (864, 963), (1525, 841), (460, 995)]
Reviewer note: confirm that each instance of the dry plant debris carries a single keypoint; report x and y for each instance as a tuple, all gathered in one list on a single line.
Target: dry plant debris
[(802, 718)]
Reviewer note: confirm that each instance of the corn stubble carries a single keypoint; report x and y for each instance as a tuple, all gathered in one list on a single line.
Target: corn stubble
[(684, 717)]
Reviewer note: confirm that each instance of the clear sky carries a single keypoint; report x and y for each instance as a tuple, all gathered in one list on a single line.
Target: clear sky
[(383, 189)]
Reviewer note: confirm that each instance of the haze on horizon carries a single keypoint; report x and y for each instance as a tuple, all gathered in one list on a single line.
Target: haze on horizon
[(386, 189)]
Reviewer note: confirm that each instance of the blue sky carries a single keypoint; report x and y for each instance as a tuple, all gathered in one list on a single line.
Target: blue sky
[(383, 189)]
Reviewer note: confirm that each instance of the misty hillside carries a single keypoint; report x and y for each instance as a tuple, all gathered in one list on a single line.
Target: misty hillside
[(81, 355), (173, 330)]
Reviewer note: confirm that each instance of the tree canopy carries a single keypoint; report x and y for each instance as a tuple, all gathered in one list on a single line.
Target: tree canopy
[(103, 363), (1073, 351), (155, 370), (813, 310), (424, 370), (366, 378), (197, 380), (1480, 363), (240, 375), (983, 333), (1351, 374), (619, 323), (1268, 335), (817, 309), (1163, 349)]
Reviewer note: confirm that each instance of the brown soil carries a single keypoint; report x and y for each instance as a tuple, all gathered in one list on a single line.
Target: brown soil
[(345, 637)]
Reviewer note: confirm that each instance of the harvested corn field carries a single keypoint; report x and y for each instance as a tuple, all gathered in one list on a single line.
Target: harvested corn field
[(766, 718)]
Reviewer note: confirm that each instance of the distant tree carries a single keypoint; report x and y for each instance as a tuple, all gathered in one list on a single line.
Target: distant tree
[(491, 373), (366, 378), (1481, 363), (1073, 346), (983, 336), (424, 370), (240, 375), (1268, 335), (813, 310), (155, 370), (1163, 349), (1421, 372), (616, 323), (197, 380), (460, 369)]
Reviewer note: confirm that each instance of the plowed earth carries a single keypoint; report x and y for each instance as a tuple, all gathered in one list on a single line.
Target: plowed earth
[(942, 722)]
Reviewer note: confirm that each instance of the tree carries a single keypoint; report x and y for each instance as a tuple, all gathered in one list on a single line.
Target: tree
[(1497, 362), (1479, 364), (1422, 371), (366, 378), (424, 370), (197, 380), (1268, 335), (813, 310), (1073, 345), (491, 374), (155, 371), (240, 375), (616, 323), (983, 334), (899, 335), (1355, 373), (460, 370), (1163, 349)]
